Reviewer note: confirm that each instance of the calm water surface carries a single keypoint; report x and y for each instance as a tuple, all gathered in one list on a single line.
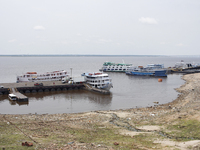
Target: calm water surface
[(127, 91)]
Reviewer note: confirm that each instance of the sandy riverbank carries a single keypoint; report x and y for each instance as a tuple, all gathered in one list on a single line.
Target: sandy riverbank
[(170, 126)]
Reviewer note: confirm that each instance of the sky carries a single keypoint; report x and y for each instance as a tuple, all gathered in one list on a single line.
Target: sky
[(100, 27)]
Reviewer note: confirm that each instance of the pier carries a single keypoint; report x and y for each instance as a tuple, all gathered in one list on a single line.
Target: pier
[(28, 87), (21, 88)]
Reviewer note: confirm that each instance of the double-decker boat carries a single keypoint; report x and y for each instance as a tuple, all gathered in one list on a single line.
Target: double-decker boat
[(156, 70), (98, 80), (48, 76), (115, 67)]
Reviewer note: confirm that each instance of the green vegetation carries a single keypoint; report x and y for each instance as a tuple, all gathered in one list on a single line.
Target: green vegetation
[(11, 138), (185, 130), (108, 136)]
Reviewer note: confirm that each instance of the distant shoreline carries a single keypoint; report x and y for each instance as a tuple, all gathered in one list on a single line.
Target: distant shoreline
[(98, 55)]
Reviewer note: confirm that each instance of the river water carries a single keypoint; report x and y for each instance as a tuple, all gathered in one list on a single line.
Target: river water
[(127, 92)]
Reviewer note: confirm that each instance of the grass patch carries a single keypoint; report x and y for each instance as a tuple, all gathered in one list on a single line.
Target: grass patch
[(185, 129), (11, 138), (107, 136)]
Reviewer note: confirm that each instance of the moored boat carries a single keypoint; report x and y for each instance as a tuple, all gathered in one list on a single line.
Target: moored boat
[(156, 70), (98, 80), (12, 97), (185, 66), (115, 67), (48, 76)]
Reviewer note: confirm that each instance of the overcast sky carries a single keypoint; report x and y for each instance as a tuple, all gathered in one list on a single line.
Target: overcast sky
[(105, 27)]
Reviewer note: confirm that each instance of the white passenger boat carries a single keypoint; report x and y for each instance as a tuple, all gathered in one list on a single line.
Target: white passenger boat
[(186, 65), (115, 67), (98, 80), (48, 76)]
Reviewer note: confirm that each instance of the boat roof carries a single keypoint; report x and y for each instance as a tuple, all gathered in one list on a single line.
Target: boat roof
[(12, 95), (120, 64), (96, 74), (48, 72)]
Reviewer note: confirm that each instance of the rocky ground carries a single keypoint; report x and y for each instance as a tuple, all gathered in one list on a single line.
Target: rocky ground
[(175, 125)]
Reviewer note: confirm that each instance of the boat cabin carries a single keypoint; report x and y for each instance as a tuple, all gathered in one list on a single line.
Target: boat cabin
[(12, 97)]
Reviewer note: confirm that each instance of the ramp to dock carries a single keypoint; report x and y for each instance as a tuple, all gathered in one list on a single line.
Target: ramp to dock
[(20, 96)]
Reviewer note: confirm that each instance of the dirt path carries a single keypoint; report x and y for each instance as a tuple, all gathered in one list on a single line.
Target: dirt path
[(170, 126)]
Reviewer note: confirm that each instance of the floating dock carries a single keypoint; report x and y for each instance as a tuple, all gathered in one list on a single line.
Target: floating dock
[(20, 97)]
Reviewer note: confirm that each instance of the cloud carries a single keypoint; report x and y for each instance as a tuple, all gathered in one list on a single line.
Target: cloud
[(39, 28), (162, 43), (79, 34), (180, 44), (13, 40), (148, 20), (102, 41)]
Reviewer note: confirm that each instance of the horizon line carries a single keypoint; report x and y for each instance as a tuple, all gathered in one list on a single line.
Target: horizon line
[(26, 55)]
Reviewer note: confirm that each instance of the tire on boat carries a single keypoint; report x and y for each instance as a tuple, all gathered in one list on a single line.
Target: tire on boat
[(46, 90), (52, 90), (75, 88), (40, 90), (64, 89), (34, 91), (58, 89), (27, 91)]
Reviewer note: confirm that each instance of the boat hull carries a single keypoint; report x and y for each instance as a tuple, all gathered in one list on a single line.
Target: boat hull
[(107, 87), (159, 73)]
